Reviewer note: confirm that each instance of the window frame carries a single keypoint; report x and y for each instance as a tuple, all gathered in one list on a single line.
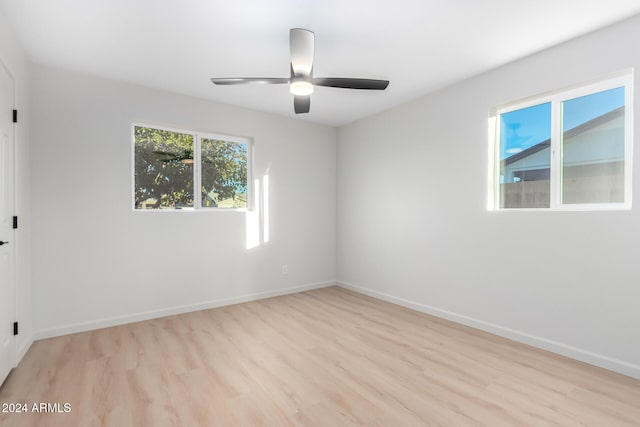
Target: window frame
[(197, 176), (555, 182)]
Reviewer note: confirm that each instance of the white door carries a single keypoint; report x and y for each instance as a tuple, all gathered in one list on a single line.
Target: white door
[(7, 301)]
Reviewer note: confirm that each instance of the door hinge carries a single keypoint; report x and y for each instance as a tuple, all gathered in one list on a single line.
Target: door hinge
[(15, 116), (15, 328), (15, 222)]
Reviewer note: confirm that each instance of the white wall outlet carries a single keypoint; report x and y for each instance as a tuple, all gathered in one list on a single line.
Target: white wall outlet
[(285, 269)]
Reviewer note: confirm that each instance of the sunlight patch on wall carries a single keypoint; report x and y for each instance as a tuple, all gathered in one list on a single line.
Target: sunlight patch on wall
[(257, 220), (265, 208)]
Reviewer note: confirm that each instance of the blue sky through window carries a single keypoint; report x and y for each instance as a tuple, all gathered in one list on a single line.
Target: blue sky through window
[(524, 128), (580, 110)]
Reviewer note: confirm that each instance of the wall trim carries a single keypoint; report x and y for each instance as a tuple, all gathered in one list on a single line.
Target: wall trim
[(602, 361), (170, 311), (22, 351)]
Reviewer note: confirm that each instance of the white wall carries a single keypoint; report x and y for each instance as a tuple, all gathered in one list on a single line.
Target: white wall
[(13, 58), (96, 262), (413, 225)]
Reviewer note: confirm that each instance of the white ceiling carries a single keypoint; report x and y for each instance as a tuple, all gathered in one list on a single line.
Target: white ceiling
[(419, 45)]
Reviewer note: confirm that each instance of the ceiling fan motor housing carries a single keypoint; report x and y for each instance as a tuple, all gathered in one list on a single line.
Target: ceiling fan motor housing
[(301, 85)]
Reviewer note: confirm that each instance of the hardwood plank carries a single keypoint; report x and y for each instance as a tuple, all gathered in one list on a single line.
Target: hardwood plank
[(328, 357)]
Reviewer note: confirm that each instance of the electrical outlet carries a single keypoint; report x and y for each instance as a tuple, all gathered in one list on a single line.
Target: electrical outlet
[(285, 269)]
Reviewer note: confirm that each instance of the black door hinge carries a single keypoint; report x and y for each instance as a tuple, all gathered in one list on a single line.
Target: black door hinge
[(15, 116), (15, 328), (15, 222)]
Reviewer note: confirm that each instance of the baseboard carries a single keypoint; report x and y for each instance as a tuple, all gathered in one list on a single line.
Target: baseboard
[(20, 353), (619, 366), (170, 311)]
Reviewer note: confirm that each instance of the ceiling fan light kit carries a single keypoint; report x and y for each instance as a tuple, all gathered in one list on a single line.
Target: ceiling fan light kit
[(301, 81), (301, 88)]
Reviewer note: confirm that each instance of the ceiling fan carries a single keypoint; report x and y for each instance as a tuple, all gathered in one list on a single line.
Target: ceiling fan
[(301, 82)]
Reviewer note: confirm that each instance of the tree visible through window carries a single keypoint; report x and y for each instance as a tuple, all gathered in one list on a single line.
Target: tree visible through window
[(224, 174), (163, 168), (183, 170)]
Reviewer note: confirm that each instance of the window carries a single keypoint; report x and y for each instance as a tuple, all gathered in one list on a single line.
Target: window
[(175, 169), (568, 150)]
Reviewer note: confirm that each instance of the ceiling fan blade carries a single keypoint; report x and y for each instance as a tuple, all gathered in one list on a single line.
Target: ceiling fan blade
[(347, 83), (301, 104), (301, 47), (250, 80)]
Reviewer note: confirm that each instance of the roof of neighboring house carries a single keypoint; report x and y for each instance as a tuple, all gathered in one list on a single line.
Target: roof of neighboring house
[(613, 114)]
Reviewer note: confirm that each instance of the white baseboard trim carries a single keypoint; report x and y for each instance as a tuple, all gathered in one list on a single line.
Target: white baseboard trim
[(612, 364), (20, 353), (170, 311)]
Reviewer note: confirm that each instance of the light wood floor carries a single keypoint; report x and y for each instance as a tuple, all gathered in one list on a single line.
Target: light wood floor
[(328, 357)]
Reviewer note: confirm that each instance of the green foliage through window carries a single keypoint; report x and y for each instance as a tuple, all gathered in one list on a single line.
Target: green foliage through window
[(224, 173), (167, 172)]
